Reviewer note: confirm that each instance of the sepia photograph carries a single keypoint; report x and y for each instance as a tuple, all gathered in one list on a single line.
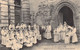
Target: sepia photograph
[(39, 24)]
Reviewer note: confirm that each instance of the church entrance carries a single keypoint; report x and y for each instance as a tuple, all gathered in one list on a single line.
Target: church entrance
[(66, 15)]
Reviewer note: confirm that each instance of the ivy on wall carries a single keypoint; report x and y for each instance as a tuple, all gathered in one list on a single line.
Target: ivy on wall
[(44, 13)]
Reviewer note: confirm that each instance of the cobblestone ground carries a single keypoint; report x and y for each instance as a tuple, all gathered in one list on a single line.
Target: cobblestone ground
[(49, 45)]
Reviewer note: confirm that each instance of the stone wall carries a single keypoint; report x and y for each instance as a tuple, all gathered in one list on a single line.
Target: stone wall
[(75, 3), (25, 4), (55, 3), (6, 12)]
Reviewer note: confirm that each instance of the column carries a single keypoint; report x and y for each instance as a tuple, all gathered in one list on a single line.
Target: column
[(25, 11)]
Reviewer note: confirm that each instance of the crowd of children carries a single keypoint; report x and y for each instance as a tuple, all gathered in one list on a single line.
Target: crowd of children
[(15, 37)]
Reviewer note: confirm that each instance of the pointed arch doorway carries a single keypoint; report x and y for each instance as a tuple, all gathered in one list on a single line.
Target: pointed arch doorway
[(65, 14)]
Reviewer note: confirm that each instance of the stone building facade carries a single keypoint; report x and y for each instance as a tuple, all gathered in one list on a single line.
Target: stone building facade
[(6, 12), (15, 11), (61, 11), (65, 11)]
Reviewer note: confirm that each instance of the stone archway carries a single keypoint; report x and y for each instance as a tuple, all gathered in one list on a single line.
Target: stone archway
[(57, 9), (65, 14)]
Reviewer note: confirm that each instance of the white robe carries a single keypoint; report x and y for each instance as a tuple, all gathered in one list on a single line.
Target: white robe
[(3, 37), (8, 41), (21, 37), (23, 26), (4, 34), (43, 27), (28, 42), (74, 36), (60, 28), (56, 36), (18, 36), (36, 33), (26, 34), (48, 32), (12, 33), (16, 45), (33, 37), (10, 38), (67, 37), (17, 27), (59, 32), (30, 39), (63, 33), (12, 27)]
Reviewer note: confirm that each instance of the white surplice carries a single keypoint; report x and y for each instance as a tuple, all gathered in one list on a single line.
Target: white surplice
[(48, 32), (4, 35), (16, 45), (11, 26), (74, 36), (56, 35)]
